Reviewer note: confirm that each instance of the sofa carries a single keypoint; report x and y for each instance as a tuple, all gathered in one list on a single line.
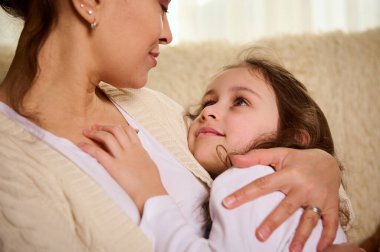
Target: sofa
[(341, 71)]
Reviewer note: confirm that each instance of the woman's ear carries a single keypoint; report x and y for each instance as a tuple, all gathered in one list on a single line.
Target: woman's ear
[(89, 10)]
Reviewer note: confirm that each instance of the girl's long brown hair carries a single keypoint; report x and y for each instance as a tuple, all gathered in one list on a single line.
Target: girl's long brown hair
[(302, 124)]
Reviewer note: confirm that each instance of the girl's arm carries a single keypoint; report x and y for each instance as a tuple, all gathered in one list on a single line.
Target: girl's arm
[(125, 159), (121, 153)]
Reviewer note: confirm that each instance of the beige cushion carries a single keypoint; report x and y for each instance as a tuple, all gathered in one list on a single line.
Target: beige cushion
[(342, 72)]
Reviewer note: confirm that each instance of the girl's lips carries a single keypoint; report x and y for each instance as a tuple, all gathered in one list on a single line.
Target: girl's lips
[(208, 131)]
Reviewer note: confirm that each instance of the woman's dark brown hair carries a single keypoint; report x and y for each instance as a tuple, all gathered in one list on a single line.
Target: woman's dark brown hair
[(39, 17)]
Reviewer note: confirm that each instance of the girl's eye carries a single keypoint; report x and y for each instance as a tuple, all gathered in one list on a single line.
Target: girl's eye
[(239, 101), (207, 103)]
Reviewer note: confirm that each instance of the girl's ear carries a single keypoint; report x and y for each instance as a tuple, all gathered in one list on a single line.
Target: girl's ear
[(303, 137), (89, 10)]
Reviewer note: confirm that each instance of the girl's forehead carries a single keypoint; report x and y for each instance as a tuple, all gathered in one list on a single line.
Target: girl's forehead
[(236, 76), (240, 79)]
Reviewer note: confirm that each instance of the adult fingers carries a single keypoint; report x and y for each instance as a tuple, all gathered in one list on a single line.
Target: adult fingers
[(258, 187), (273, 157), (281, 213), (330, 223), (306, 225)]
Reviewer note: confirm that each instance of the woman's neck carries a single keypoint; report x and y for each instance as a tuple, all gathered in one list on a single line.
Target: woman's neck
[(66, 106), (67, 111), (64, 98)]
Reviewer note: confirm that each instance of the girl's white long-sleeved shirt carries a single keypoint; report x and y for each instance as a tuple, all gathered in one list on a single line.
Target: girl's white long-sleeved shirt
[(232, 230)]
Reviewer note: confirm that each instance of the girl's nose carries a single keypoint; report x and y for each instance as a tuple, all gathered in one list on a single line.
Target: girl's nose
[(209, 112)]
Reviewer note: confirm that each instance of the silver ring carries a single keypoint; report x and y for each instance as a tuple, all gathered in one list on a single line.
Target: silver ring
[(315, 209)]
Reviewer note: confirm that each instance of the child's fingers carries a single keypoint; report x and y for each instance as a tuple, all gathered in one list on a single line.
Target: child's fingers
[(117, 131), (99, 154), (125, 135), (105, 138), (132, 134)]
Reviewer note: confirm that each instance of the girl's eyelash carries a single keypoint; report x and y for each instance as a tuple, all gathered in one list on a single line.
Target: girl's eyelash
[(207, 103), (239, 98)]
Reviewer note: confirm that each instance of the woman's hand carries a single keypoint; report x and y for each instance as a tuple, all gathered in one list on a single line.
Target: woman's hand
[(125, 159), (307, 177)]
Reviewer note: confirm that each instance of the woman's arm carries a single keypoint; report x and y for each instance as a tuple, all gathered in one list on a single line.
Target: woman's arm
[(34, 212), (307, 177), (254, 212)]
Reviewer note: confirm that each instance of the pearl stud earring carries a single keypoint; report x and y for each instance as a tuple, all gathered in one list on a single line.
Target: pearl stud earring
[(94, 25)]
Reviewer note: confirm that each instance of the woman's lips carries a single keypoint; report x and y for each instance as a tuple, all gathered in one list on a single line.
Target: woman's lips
[(154, 56), (207, 131)]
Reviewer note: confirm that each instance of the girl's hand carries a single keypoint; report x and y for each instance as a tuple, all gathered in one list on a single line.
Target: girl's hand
[(307, 177), (125, 159)]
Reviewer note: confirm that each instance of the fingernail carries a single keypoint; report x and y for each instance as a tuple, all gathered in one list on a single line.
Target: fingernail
[(229, 201), (297, 247), (263, 233)]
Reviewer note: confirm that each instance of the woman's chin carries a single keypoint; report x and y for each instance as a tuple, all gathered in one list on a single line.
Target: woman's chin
[(136, 84)]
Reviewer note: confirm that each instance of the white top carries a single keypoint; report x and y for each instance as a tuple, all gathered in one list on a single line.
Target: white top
[(232, 230), (188, 193)]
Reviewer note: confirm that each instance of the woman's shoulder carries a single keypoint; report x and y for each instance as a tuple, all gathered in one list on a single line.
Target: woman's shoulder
[(146, 96)]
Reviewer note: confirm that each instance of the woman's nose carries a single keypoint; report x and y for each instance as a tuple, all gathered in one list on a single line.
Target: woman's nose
[(166, 34)]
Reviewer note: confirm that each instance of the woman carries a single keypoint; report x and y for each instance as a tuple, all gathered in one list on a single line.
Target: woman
[(56, 197)]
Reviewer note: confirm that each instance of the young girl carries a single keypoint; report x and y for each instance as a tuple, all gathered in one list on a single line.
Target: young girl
[(250, 105)]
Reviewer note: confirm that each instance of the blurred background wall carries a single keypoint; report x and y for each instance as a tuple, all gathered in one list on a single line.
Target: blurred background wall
[(246, 20)]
